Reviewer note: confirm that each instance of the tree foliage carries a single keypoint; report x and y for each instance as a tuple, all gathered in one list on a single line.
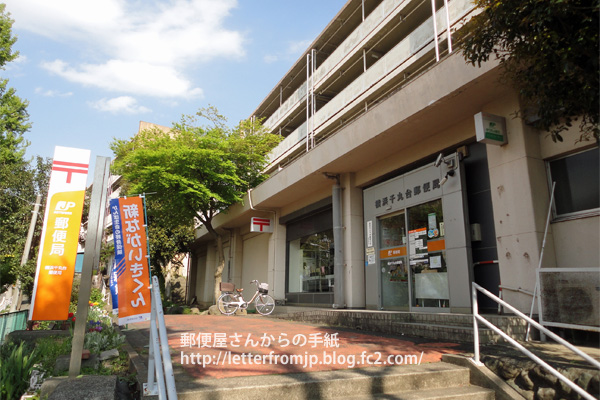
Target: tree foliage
[(549, 52), (19, 180), (196, 171)]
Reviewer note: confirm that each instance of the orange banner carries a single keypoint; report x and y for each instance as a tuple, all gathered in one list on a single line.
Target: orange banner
[(60, 235), (134, 281), (394, 252)]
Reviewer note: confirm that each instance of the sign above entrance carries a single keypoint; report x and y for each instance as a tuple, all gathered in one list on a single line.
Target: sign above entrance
[(264, 225), (490, 129)]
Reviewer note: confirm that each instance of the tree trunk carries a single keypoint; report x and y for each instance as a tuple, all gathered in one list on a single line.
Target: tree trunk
[(220, 267), (168, 277), (221, 258)]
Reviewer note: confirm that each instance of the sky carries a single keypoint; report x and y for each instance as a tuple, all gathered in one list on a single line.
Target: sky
[(91, 70)]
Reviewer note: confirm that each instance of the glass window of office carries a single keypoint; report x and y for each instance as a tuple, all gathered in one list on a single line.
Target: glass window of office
[(393, 262), (577, 180), (427, 255), (310, 249), (311, 263), (413, 258)]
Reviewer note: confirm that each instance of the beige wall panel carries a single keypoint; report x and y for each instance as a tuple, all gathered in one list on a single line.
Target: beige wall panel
[(520, 198), (461, 132), (577, 243), (354, 260), (256, 258), (571, 143), (305, 199), (518, 264)]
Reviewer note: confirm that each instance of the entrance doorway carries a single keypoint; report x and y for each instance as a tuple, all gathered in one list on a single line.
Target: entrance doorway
[(412, 257)]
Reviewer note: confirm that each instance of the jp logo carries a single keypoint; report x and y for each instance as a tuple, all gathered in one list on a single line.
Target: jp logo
[(64, 205)]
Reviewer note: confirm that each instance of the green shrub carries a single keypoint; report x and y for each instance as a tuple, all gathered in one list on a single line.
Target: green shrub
[(96, 297), (97, 342), (50, 349), (16, 364)]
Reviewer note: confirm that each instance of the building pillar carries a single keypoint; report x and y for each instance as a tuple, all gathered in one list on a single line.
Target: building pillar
[(207, 294), (276, 259), (237, 253), (354, 261), (520, 199)]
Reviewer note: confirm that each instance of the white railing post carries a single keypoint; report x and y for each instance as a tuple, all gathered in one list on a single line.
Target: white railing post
[(149, 388), (475, 325), (552, 335), (164, 342), (154, 358)]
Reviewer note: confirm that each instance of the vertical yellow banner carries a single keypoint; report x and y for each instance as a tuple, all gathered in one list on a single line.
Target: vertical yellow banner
[(60, 235), (134, 280)]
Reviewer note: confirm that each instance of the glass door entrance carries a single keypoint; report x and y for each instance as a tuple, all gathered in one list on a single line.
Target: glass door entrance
[(393, 262), (427, 256), (412, 259)]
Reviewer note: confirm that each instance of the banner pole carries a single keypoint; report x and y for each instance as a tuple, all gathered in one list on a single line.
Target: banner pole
[(91, 257)]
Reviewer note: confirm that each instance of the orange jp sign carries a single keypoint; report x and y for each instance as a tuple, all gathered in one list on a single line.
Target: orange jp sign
[(60, 235), (131, 257)]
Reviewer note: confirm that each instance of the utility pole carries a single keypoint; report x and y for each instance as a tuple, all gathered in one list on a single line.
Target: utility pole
[(17, 295)]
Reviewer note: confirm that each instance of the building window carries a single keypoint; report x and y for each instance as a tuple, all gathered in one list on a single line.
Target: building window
[(310, 250), (577, 180), (311, 263), (427, 255)]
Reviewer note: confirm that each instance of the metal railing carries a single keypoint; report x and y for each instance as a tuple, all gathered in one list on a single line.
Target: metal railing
[(550, 334), (159, 366), (14, 321)]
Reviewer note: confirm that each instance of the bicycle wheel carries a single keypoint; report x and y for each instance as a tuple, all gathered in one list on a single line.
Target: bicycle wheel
[(264, 304), (227, 304)]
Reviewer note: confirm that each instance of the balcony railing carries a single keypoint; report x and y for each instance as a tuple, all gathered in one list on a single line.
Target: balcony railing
[(409, 53)]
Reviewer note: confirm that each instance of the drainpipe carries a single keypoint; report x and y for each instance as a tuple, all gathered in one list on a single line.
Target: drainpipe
[(338, 240)]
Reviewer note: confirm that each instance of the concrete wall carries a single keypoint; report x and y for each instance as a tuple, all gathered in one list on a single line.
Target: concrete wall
[(255, 262), (520, 198), (354, 259)]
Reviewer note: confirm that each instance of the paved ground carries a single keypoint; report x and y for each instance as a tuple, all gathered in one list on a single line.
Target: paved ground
[(211, 346)]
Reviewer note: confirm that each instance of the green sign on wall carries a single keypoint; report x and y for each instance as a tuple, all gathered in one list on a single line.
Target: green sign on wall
[(490, 129)]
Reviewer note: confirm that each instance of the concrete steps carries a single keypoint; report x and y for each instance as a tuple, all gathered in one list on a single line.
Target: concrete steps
[(426, 381), (439, 326), (464, 392)]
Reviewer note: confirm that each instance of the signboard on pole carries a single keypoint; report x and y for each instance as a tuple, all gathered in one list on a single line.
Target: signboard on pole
[(60, 235), (114, 290), (131, 260)]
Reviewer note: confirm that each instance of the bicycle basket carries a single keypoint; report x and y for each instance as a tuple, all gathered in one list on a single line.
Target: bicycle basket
[(227, 287), (263, 288)]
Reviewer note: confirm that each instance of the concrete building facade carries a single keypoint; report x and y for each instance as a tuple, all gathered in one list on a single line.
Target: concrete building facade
[(381, 196)]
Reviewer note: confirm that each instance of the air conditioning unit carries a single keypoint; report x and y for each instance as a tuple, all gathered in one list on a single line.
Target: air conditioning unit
[(571, 296)]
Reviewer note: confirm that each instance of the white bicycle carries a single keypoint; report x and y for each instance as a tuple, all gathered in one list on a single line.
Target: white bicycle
[(229, 302)]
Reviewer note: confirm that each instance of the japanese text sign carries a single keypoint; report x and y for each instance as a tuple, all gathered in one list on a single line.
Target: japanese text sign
[(131, 259), (60, 235)]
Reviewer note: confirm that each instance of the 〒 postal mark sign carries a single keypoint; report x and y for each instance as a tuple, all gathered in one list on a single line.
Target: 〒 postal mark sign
[(131, 260), (60, 235), (261, 225)]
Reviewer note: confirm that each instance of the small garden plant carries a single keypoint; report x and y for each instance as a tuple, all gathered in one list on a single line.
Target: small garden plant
[(18, 360)]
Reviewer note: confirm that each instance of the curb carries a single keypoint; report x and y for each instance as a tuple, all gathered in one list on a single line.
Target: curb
[(483, 377), (136, 366)]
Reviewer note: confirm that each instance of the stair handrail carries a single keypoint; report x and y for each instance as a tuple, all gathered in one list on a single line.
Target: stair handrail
[(476, 317)]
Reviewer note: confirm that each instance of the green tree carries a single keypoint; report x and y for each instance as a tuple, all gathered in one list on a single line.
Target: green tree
[(196, 171), (549, 52), (17, 186), (170, 238)]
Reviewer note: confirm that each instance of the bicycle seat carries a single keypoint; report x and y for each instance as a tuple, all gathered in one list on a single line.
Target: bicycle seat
[(240, 290)]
